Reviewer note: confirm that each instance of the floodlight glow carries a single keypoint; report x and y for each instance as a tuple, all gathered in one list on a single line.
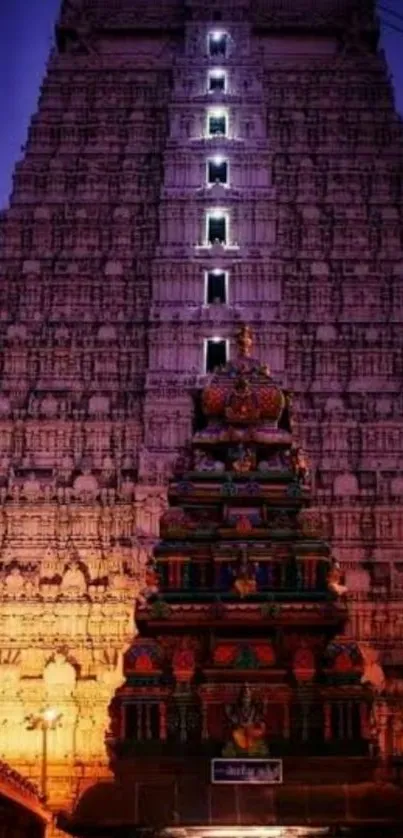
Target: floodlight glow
[(216, 271), (217, 74), (216, 340), (217, 214), (217, 113), (217, 36), (217, 160), (50, 715)]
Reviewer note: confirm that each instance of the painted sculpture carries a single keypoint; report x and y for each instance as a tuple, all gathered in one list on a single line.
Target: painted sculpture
[(242, 611)]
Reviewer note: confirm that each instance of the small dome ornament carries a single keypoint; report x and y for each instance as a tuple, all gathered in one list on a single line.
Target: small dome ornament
[(243, 393)]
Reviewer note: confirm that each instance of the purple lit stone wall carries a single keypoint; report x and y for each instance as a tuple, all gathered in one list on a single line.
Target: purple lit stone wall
[(105, 324)]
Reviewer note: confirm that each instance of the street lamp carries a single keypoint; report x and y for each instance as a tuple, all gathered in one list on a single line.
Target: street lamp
[(45, 721)]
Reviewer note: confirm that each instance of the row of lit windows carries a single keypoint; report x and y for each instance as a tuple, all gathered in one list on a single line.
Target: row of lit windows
[(216, 349)]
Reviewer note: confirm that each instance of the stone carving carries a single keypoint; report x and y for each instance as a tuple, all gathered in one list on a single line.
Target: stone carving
[(49, 406), (248, 726), (59, 677), (335, 583), (13, 583), (86, 485), (31, 489), (373, 672), (74, 583)]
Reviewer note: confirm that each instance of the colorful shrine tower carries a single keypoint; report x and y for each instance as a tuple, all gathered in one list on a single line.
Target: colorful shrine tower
[(240, 654), (243, 597)]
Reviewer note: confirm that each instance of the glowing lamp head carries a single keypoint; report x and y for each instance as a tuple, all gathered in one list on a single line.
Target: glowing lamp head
[(50, 715), (216, 340), (217, 73), (216, 272), (217, 36)]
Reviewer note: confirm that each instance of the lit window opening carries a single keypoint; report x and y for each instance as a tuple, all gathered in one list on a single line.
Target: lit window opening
[(217, 122), (217, 227), (217, 81), (217, 44), (216, 353), (217, 171), (216, 287)]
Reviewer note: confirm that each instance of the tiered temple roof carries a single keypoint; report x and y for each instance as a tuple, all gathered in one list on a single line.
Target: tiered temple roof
[(243, 601)]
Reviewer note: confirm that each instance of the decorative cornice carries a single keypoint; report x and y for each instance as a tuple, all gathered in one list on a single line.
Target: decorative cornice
[(19, 789)]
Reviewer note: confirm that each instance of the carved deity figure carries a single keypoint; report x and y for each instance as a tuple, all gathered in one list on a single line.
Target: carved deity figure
[(31, 586), (299, 465), (118, 582), (245, 341), (242, 405), (335, 580), (59, 676), (245, 462), (65, 471), (111, 676), (74, 583), (32, 487), (49, 406), (14, 583), (248, 726), (86, 485), (373, 673), (245, 582), (184, 660)]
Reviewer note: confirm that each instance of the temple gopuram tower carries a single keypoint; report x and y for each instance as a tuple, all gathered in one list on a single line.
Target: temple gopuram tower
[(244, 709), (193, 164)]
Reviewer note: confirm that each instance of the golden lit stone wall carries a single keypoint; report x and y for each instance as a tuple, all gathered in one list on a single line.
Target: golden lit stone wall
[(69, 575)]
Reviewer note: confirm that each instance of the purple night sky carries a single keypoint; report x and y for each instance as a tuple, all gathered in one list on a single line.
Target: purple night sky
[(26, 29)]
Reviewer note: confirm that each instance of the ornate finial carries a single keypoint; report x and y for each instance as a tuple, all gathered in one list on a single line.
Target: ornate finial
[(244, 340)]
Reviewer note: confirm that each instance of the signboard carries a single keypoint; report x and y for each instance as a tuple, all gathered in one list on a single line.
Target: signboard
[(247, 771)]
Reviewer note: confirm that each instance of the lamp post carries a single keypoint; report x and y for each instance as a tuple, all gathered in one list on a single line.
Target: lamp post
[(45, 721)]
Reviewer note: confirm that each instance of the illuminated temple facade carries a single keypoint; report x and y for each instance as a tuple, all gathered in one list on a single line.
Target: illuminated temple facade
[(193, 164)]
